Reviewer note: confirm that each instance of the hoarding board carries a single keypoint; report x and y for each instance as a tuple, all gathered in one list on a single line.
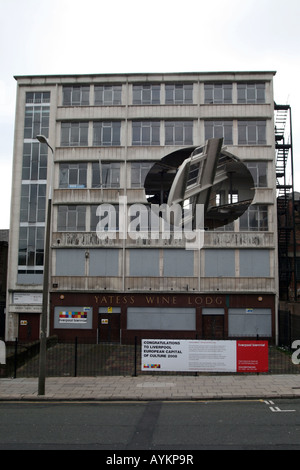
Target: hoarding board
[(252, 356), (204, 355)]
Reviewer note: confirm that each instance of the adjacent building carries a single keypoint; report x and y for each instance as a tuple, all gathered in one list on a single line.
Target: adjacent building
[(118, 141)]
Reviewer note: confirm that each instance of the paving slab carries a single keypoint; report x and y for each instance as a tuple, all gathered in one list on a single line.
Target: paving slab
[(152, 388)]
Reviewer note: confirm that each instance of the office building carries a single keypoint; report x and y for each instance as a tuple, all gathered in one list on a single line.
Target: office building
[(122, 145)]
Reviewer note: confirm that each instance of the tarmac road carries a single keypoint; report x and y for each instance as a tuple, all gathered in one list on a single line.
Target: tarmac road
[(160, 427)]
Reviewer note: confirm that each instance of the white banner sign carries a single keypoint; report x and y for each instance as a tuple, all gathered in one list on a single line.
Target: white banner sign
[(29, 298), (189, 355)]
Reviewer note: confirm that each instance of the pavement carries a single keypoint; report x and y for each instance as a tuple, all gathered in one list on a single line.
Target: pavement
[(145, 388)]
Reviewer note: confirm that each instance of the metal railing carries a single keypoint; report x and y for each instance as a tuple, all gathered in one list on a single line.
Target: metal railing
[(79, 358)]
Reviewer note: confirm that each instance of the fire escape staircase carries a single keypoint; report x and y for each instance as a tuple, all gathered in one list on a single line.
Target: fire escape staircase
[(284, 199)]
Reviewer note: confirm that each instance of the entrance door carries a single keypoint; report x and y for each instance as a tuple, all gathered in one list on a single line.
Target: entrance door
[(213, 326), (109, 324), (29, 327)]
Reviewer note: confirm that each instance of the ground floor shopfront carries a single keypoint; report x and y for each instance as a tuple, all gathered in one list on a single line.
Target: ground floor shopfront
[(108, 317)]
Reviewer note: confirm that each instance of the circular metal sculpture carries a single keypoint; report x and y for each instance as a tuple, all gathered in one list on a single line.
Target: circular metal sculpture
[(208, 176)]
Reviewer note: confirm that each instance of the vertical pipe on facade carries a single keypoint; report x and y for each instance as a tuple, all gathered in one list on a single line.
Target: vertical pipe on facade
[(125, 184)]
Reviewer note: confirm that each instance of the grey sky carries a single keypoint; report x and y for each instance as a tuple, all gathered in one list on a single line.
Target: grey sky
[(95, 36)]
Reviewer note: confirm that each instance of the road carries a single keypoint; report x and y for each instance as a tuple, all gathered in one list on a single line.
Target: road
[(164, 427)]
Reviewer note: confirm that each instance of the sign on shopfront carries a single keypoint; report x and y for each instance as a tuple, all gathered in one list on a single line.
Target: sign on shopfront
[(204, 355)]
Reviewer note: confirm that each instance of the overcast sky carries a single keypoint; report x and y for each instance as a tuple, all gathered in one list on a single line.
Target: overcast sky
[(122, 36)]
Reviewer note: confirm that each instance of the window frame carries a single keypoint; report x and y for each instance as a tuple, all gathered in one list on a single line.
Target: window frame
[(79, 95), (104, 129), (251, 93), (252, 132), (65, 212), (259, 172), (211, 93), (31, 248), (102, 95), (174, 129), (179, 93), (145, 133), (74, 134), (146, 94), (141, 168), (211, 130), (111, 172), (73, 171), (36, 121), (255, 219)]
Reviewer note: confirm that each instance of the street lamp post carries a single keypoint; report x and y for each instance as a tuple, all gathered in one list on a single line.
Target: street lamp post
[(43, 336)]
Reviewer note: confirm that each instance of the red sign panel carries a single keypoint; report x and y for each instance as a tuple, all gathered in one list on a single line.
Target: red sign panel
[(252, 356)]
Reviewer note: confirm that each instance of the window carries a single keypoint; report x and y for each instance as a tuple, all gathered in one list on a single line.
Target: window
[(104, 262), (146, 94), (105, 175), (252, 132), (106, 95), (217, 93), (70, 262), (34, 161), (178, 263), (33, 203), (255, 218), (33, 189), (241, 322), (220, 263), (76, 95), (37, 97), (193, 175), (74, 134), (71, 218), (139, 171), (31, 247), (254, 263), (72, 175), (178, 132), (107, 133), (108, 217), (179, 94), (219, 129), (36, 121), (251, 93), (258, 171), (145, 133), (144, 262), (161, 318), (139, 218)]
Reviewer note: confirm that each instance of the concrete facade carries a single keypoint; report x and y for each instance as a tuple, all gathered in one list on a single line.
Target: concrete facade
[(107, 131)]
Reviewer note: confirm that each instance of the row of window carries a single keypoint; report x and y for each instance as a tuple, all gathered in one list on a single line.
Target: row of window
[(107, 175), (73, 218), (108, 133), (104, 262), (156, 94), (104, 175), (175, 263)]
